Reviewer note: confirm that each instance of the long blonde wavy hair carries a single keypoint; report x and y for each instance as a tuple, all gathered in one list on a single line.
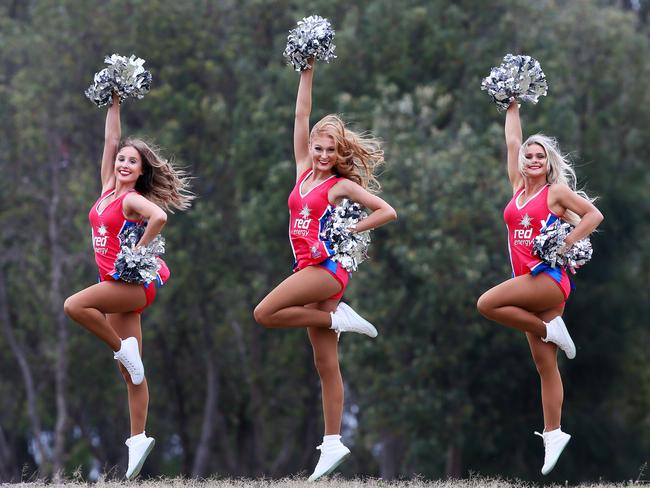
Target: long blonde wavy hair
[(161, 182), (560, 169), (359, 155)]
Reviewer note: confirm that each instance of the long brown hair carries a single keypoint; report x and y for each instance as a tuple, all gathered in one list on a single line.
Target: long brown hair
[(358, 154), (161, 182)]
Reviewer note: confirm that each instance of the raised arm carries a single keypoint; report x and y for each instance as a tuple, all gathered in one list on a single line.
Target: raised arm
[(513, 142), (301, 124), (112, 134)]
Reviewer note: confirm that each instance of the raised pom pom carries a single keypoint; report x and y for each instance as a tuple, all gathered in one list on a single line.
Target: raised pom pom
[(517, 78), (548, 243), (351, 247), (312, 38), (138, 264), (124, 76)]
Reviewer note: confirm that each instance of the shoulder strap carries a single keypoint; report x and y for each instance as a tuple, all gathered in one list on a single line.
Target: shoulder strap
[(106, 192), (304, 175)]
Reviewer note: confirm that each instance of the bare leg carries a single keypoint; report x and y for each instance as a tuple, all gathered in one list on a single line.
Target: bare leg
[(545, 357), (516, 302), (89, 306), (325, 345), (128, 325), (285, 305)]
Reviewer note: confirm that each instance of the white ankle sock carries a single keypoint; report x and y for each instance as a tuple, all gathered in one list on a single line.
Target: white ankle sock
[(548, 332), (142, 435), (331, 440), (336, 322)]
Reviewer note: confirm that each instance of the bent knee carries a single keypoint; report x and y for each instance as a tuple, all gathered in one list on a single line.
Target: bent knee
[(484, 305), (262, 315), (71, 307)]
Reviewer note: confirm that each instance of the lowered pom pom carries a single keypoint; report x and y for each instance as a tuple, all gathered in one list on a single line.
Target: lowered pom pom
[(124, 76), (350, 247), (138, 264), (312, 38), (548, 243), (517, 78)]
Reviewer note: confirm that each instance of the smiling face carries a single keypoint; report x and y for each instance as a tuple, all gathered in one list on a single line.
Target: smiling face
[(323, 152), (536, 163), (128, 165)]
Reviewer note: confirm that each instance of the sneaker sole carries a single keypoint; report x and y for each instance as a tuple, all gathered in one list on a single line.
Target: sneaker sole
[(331, 468), (550, 468), (138, 466)]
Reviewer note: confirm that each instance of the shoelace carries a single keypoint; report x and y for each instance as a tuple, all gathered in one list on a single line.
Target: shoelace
[(130, 367), (541, 435), (319, 448)]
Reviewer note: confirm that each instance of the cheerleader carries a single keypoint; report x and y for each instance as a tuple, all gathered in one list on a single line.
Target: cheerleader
[(332, 163), (138, 186), (544, 190)]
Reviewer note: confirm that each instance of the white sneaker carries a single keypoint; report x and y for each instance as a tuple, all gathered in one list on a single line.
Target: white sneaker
[(554, 443), (557, 333), (331, 457), (344, 319), (129, 356), (139, 448)]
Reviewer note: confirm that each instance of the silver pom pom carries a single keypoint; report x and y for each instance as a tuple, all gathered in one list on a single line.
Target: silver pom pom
[(350, 247), (138, 264), (551, 239), (124, 76), (312, 38), (518, 78)]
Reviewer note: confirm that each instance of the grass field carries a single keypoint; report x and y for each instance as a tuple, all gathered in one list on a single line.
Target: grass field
[(328, 483)]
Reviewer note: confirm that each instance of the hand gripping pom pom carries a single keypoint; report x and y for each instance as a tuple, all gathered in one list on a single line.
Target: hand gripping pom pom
[(350, 247), (517, 78), (138, 264), (551, 239), (124, 76), (312, 38)]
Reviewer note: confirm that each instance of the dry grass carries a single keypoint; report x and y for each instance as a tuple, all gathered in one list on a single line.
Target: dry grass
[(334, 482)]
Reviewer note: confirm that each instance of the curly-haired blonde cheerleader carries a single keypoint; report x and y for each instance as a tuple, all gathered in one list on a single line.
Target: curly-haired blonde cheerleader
[(137, 187), (543, 184), (332, 163)]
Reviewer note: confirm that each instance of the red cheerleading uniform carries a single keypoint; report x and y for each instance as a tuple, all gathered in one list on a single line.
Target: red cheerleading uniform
[(524, 223), (308, 213), (106, 227)]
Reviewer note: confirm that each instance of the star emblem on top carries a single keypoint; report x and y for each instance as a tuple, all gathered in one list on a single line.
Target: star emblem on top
[(304, 213), (525, 221), (101, 230)]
